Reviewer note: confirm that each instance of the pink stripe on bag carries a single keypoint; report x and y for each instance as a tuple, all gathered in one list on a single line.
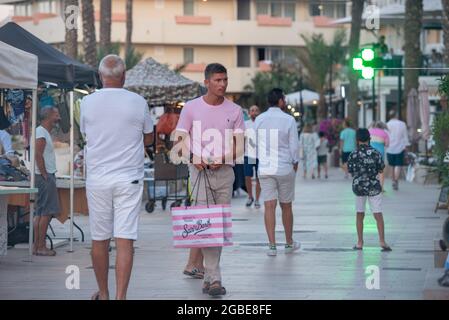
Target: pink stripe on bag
[(192, 216), (212, 226), (206, 236), (202, 207), (186, 246)]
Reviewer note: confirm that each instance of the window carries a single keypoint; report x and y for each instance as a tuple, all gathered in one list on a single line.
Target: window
[(159, 4), (243, 56), (243, 10), (329, 8), (276, 8), (189, 7), (188, 55), (273, 54), (22, 10)]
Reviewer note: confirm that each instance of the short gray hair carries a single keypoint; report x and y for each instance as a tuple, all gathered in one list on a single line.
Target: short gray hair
[(112, 66), (45, 112)]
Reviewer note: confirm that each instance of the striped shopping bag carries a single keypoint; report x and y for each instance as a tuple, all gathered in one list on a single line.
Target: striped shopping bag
[(201, 226)]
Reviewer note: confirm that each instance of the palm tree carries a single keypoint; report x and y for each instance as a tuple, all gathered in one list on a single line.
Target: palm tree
[(71, 33), (129, 26), (319, 58), (89, 38), (354, 42), (412, 48), (105, 26), (445, 4)]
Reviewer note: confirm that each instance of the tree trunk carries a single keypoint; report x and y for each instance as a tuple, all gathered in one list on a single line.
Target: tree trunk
[(354, 41), (89, 38), (412, 47), (322, 109), (445, 21), (105, 26), (129, 25), (71, 29)]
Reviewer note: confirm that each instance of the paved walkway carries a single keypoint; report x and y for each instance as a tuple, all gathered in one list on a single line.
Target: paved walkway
[(325, 267)]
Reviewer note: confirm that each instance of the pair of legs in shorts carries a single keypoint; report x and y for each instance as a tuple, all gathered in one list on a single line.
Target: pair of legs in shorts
[(375, 203), (113, 213), (396, 162), (250, 168), (280, 188)]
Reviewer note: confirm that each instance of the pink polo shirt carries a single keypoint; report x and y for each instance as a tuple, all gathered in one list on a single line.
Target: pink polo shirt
[(211, 128)]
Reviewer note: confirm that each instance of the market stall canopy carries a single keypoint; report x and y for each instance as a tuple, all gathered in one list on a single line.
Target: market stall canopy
[(53, 65), (18, 69), (160, 85)]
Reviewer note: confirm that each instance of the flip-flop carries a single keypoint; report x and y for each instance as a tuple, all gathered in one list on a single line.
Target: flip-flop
[(386, 249), (95, 296), (195, 273), (357, 248)]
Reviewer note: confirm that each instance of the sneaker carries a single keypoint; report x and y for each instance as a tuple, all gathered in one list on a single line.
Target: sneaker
[(272, 250), (257, 204), (249, 202), (290, 248), (395, 185)]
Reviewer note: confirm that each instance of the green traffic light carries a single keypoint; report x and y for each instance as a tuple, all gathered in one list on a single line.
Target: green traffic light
[(367, 73), (357, 63), (368, 54)]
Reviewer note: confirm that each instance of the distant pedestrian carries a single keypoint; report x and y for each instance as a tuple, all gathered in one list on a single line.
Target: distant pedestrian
[(398, 144), (308, 145), (379, 141), (322, 154), (365, 164), (251, 162), (347, 144)]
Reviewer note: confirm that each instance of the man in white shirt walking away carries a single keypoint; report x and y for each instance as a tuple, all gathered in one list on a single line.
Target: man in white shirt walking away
[(278, 154), (399, 141), (117, 125)]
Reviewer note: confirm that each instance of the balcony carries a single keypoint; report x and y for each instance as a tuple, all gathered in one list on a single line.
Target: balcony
[(198, 20), (269, 21)]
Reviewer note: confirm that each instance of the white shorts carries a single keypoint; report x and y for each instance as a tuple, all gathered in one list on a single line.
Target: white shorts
[(280, 188), (375, 203), (114, 211)]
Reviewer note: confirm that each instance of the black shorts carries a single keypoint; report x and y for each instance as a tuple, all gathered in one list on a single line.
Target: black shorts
[(345, 157), (395, 160), (322, 159)]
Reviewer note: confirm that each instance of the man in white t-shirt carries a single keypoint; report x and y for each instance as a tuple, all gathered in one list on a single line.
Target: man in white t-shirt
[(117, 126), (47, 204), (251, 162), (397, 131)]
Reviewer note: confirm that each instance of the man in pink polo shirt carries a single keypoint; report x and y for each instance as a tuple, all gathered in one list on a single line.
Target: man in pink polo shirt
[(211, 128)]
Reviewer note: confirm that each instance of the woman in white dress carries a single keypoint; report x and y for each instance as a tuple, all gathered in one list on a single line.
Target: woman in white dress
[(308, 144)]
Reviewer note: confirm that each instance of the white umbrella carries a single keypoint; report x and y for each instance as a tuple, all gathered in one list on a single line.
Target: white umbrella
[(413, 114), (424, 110)]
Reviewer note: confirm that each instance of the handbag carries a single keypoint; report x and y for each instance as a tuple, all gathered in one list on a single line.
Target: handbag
[(201, 226)]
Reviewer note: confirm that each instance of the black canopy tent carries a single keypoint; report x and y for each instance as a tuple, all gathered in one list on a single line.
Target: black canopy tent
[(53, 66)]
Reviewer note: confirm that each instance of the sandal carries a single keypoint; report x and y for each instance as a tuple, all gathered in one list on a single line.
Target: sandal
[(95, 296), (195, 273), (216, 289), (47, 253), (386, 249), (206, 287), (357, 248)]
